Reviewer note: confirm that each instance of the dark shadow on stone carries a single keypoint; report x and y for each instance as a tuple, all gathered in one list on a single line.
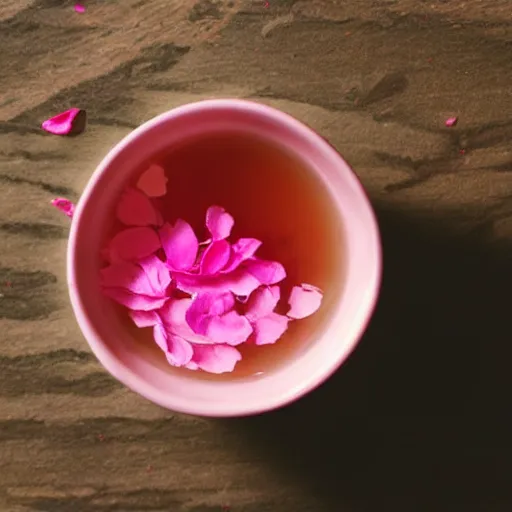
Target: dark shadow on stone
[(418, 418)]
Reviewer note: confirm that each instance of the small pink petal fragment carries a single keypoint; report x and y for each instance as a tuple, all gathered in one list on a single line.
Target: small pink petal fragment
[(180, 245), (262, 302), (134, 243), (219, 222), (153, 182), (179, 351), (64, 205), (215, 257), (70, 122), (216, 358), (304, 301), (79, 8), (451, 121), (266, 272), (135, 209), (269, 329)]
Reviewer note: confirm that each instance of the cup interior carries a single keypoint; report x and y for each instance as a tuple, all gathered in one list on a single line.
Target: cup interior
[(324, 343)]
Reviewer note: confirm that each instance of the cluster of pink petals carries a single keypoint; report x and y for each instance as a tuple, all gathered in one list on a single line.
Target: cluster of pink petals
[(202, 299)]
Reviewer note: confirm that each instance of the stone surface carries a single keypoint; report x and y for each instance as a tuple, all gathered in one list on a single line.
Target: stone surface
[(418, 418)]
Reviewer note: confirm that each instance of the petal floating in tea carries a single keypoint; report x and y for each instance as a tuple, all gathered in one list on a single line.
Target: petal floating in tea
[(134, 243), (134, 301), (215, 257), (262, 302), (219, 222), (144, 318), (157, 273), (270, 328), (304, 301), (178, 351), (215, 358), (153, 181), (241, 250), (240, 282), (266, 272), (70, 122), (180, 245), (135, 209), (64, 205)]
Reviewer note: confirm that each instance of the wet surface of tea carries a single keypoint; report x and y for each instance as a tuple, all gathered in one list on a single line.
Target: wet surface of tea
[(272, 197)]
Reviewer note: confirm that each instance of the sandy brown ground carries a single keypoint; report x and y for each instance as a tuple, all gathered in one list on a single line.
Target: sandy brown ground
[(418, 419)]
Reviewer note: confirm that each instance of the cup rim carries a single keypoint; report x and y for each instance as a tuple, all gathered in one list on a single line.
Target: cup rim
[(130, 378)]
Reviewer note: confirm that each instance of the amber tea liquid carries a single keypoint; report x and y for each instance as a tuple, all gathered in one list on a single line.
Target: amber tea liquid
[(275, 198)]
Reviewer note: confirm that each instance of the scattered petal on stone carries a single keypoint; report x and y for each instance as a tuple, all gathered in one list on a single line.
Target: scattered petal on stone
[(135, 209), (64, 205), (270, 328), (180, 245), (70, 122), (219, 222), (216, 358), (134, 243), (153, 182), (451, 121), (304, 301), (262, 302), (79, 8)]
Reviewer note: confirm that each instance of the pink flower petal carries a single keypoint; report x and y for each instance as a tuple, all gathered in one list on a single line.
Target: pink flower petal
[(180, 245), (157, 273), (135, 209), (173, 317), (270, 328), (451, 121), (134, 243), (204, 307), (128, 276), (262, 302), (70, 122), (267, 272), (231, 328), (239, 282), (144, 318), (79, 8), (213, 317), (133, 300), (215, 257), (153, 181), (216, 358), (178, 351), (64, 205), (241, 250), (304, 301), (219, 222)]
